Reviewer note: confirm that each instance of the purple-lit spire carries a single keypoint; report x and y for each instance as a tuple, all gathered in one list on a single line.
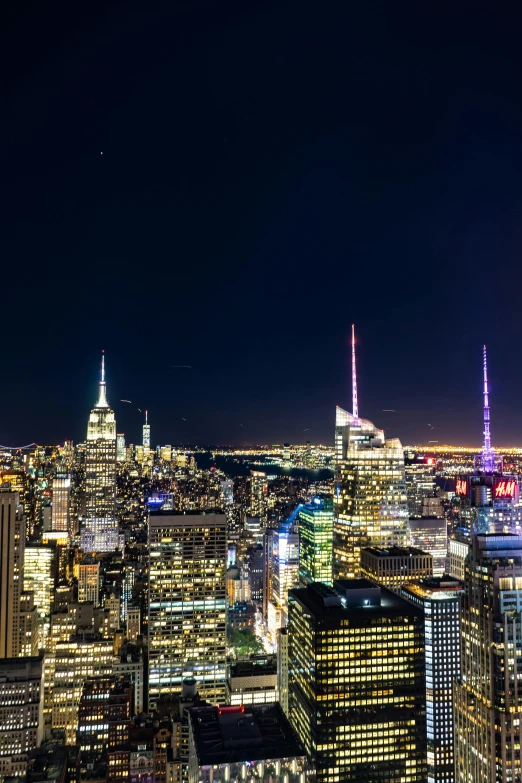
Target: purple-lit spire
[(488, 455), (355, 407)]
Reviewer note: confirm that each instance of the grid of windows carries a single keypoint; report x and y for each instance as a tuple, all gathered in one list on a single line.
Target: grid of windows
[(187, 603), (356, 690)]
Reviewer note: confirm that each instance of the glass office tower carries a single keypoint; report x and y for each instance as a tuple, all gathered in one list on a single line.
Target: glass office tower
[(356, 682), (439, 600), (370, 503), (488, 695), (315, 523)]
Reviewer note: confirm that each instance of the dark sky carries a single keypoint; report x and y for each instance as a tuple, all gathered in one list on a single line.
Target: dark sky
[(271, 172)]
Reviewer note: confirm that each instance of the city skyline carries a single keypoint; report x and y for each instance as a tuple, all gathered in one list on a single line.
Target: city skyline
[(137, 416)]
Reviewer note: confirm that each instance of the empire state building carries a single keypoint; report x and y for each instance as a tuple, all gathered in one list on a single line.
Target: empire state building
[(100, 529)]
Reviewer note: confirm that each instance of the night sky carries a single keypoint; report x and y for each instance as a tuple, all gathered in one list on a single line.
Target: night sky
[(271, 173)]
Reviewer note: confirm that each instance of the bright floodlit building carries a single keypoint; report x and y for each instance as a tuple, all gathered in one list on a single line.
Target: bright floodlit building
[(315, 525), (356, 682), (370, 503), (187, 602), (100, 528), (12, 545), (284, 575), (21, 712), (488, 695), (439, 599)]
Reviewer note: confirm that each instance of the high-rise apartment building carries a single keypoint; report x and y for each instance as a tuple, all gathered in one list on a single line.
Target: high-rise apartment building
[(100, 531), (488, 695), (258, 495), (431, 535), (60, 513), (21, 712), (105, 702), (439, 600), (187, 602), (370, 503), (315, 525), (12, 545), (356, 682), (89, 583)]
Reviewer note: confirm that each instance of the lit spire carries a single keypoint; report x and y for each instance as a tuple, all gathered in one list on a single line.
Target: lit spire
[(102, 394), (146, 415), (355, 407), (488, 456)]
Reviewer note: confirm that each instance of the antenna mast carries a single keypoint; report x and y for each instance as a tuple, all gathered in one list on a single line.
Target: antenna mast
[(355, 407), (488, 456)]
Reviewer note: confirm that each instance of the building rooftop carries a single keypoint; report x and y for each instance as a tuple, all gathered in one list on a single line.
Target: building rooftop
[(160, 512), (360, 600), (440, 588), (262, 664), (396, 551), (233, 734)]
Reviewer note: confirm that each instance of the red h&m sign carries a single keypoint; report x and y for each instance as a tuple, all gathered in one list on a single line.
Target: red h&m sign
[(506, 488), (462, 487)]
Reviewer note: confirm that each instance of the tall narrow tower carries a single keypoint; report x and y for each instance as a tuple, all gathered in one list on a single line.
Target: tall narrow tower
[(355, 407), (146, 432), (370, 502), (100, 529), (488, 455)]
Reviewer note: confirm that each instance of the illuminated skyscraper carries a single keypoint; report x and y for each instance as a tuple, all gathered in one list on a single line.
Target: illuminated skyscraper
[(39, 578), (488, 695), (420, 483), (61, 503), (439, 600), (100, 532), (258, 495), (315, 524), (370, 503), (146, 432), (187, 602), (121, 451), (356, 682), (285, 576), (89, 583), (431, 535), (12, 545)]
